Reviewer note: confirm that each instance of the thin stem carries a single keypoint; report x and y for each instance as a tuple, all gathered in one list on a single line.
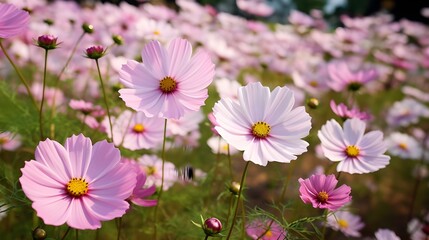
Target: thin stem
[(325, 217), (338, 175), (207, 237), (105, 100), (43, 96), (65, 234), (119, 226), (231, 201), (162, 177), (77, 234), (229, 161), (19, 75), (238, 199)]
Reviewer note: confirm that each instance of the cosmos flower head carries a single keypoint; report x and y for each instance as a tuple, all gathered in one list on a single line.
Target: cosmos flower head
[(263, 124), (404, 146), (342, 78), (9, 141), (355, 151), (406, 112), (346, 222), (386, 234), (260, 228), (320, 191), (342, 111), (84, 183), (152, 166), (170, 82)]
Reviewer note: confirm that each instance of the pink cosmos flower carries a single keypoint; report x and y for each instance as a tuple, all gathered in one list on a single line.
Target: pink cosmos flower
[(13, 21), (220, 146), (320, 191), (169, 82), (140, 193), (261, 227), (79, 184), (404, 146), (9, 141), (136, 131), (255, 7), (357, 152), (342, 78), (263, 124), (85, 107), (348, 223), (405, 112), (152, 166), (386, 234), (343, 112)]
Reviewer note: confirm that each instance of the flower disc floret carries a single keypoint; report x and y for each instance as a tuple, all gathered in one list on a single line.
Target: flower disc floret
[(167, 85), (77, 187), (138, 128), (352, 151), (261, 129)]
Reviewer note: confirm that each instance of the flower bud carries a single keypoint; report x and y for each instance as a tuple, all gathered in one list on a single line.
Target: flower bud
[(234, 188), (95, 52), (47, 41), (212, 226), (49, 21), (117, 39), (39, 234), (313, 103), (88, 28)]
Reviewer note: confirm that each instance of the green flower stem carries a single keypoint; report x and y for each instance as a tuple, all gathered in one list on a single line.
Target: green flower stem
[(243, 177), (162, 178), (119, 226), (207, 237), (43, 96), (229, 162), (231, 202), (77, 234), (325, 222), (105, 100), (65, 234), (19, 75)]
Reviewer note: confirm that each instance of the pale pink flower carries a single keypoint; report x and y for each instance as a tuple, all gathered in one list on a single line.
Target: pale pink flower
[(263, 124), (342, 111), (140, 192), (255, 7), (355, 151), (405, 112), (342, 78), (169, 82), (78, 184), (320, 191), (404, 146), (227, 88), (13, 21), (133, 130), (348, 223), (218, 145), (9, 141), (85, 107), (152, 166), (418, 230), (260, 228), (185, 125), (386, 234)]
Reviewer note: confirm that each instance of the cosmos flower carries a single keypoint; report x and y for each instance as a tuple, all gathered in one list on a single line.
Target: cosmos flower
[(79, 184), (342, 78), (255, 7), (263, 124), (261, 227), (355, 151), (13, 21), (406, 112), (218, 145), (404, 146), (343, 112), (136, 131), (9, 141), (386, 234), (140, 192), (169, 82), (320, 191), (348, 223), (152, 166)]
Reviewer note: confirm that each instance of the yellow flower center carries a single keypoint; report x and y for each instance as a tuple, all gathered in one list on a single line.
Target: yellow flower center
[(225, 147), (138, 128), (150, 170), (167, 85), (3, 140), (261, 129), (343, 223), (403, 146), (322, 197), (352, 151), (77, 187), (268, 233), (156, 32), (314, 83)]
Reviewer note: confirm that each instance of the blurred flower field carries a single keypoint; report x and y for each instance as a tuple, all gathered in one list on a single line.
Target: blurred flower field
[(125, 122)]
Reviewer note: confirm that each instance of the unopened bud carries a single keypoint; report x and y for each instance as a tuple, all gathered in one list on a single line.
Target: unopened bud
[(47, 41), (212, 226), (39, 234), (49, 21), (313, 103), (118, 39), (88, 28), (234, 188), (95, 52)]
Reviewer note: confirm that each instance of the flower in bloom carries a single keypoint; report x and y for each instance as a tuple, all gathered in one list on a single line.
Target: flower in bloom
[(406, 112), (343, 112), (219, 145), (13, 21), (9, 141), (79, 184), (136, 131), (386, 234), (84, 107), (140, 193), (343, 78), (185, 125), (404, 146), (348, 223), (357, 152), (152, 166), (417, 229), (255, 7), (320, 191), (169, 82), (263, 124), (260, 229)]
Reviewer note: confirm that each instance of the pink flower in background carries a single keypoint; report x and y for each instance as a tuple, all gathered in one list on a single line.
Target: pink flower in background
[(260, 229), (355, 151), (183, 126), (213, 123), (342, 78), (9, 141), (141, 193), (386, 234), (404, 146), (343, 112), (79, 184), (405, 112), (152, 166), (255, 7), (218, 145), (133, 130), (263, 124), (320, 191), (13, 21), (348, 223), (84, 107), (169, 82)]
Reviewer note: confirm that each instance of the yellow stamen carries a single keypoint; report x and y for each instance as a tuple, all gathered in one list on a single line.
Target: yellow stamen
[(3, 140), (138, 128), (322, 197), (352, 151), (314, 83), (167, 85), (150, 170), (343, 223), (403, 146), (268, 233), (77, 187), (156, 32), (261, 129)]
